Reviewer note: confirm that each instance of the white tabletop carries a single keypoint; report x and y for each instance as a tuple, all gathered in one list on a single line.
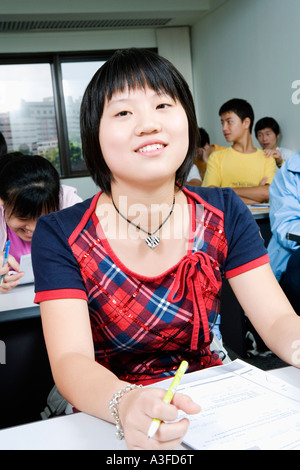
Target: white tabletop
[(20, 297), (18, 304), (78, 431), (83, 432)]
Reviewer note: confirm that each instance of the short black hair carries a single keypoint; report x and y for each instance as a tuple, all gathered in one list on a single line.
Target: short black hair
[(240, 107), (29, 185), (132, 68), (267, 122), (204, 137)]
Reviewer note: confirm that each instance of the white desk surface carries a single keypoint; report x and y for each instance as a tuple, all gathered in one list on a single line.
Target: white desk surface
[(83, 432), (17, 304), (20, 297), (78, 431)]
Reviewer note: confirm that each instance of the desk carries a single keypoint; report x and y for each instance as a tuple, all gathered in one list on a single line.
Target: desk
[(18, 304), (25, 377), (83, 432)]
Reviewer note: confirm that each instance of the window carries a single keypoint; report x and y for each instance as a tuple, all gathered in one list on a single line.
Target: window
[(75, 79), (40, 97)]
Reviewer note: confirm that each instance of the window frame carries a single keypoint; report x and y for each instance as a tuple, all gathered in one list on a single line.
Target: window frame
[(55, 59)]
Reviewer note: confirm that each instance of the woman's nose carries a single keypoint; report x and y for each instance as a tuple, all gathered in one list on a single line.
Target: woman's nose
[(148, 123), (30, 225)]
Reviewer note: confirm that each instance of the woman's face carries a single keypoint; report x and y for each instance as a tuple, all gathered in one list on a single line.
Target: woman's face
[(24, 228), (143, 136)]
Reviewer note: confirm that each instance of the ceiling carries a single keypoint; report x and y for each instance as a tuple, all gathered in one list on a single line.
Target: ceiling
[(87, 15)]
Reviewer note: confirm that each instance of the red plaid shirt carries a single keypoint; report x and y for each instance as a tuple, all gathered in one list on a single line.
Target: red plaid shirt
[(142, 329)]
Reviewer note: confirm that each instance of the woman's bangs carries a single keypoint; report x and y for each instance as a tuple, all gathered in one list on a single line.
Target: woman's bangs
[(133, 76)]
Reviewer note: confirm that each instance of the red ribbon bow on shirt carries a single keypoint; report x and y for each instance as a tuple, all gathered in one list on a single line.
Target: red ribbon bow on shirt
[(189, 276)]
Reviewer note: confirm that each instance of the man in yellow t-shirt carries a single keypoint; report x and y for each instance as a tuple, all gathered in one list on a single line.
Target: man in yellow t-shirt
[(242, 167)]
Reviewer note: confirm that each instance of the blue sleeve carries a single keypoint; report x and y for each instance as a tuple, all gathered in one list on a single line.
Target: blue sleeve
[(55, 268), (285, 202), (246, 247)]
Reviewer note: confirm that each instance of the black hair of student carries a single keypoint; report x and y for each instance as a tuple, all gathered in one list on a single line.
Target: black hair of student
[(267, 122), (204, 137), (29, 185), (132, 68), (240, 107), (3, 145)]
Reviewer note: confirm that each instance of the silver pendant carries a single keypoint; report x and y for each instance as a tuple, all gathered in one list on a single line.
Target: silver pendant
[(152, 241)]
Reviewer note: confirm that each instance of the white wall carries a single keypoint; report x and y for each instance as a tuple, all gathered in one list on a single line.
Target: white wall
[(85, 186), (175, 45), (249, 49)]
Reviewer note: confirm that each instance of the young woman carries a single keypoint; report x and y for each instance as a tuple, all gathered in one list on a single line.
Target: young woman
[(129, 282), (29, 187)]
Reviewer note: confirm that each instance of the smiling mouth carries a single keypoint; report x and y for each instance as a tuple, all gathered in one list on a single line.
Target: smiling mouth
[(150, 148), (28, 233)]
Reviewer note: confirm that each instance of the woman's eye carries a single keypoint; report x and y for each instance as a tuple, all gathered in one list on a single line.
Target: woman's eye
[(123, 113), (163, 105)]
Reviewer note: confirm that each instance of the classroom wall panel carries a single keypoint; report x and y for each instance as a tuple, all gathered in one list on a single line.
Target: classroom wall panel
[(249, 49)]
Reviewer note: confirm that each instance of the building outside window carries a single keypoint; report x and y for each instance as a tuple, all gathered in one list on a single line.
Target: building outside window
[(40, 105)]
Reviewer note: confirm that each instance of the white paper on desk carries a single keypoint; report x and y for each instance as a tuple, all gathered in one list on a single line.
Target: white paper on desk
[(26, 267), (243, 409)]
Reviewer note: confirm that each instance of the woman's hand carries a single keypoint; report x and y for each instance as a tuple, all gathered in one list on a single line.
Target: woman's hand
[(137, 409), (10, 280)]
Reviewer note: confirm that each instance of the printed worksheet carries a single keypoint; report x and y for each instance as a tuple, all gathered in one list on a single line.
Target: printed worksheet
[(243, 408)]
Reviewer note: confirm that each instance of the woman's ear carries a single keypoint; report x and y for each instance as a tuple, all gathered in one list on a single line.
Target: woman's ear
[(1, 202)]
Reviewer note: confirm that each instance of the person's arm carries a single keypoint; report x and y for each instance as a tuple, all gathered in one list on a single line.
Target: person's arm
[(194, 182), (253, 194), (268, 309), (89, 386), (259, 194)]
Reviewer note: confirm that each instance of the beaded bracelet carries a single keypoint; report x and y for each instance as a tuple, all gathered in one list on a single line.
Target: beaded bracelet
[(114, 408)]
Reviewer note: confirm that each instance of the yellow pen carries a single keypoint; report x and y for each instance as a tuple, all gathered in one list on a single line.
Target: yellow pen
[(168, 396)]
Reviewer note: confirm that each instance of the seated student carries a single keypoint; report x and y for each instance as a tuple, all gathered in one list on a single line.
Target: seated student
[(205, 148), (242, 167), (285, 217), (267, 132), (29, 187), (130, 283)]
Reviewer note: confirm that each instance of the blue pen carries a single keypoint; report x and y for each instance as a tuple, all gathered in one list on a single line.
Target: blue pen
[(5, 259)]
